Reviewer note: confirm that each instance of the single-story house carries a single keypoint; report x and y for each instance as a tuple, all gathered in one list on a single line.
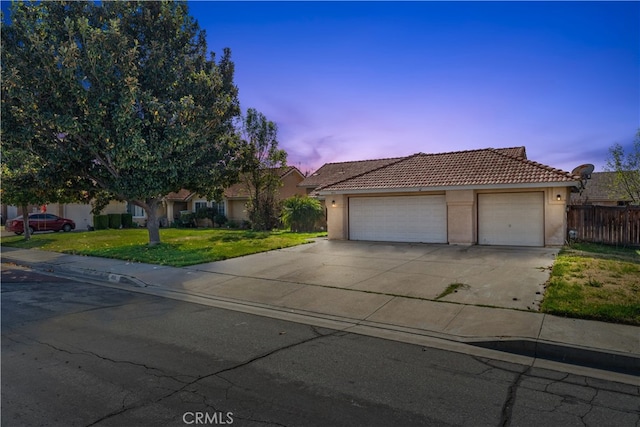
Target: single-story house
[(487, 196), (232, 205), (600, 190)]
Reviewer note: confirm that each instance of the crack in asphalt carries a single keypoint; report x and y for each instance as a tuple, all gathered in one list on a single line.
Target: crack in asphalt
[(215, 374), (162, 374), (509, 403)]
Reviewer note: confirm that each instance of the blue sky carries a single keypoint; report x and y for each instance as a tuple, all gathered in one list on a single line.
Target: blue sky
[(360, 80)]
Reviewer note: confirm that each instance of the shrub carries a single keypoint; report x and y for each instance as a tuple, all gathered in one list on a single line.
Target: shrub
[(100, 222), (220, 219), (127, 220), (300, 213), (115, 220)]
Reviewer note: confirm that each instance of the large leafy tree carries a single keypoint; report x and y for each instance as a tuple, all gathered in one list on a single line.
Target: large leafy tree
[(262, 165), (626, 165), (122, 96)]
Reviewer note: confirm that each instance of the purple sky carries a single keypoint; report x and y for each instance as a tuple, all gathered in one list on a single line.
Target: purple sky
[(360, 80)]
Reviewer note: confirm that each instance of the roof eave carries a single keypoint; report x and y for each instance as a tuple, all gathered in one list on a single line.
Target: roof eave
[(448, 188)]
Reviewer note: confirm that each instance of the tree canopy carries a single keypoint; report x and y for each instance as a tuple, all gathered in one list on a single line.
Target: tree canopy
[(627, 169), (120, 97), (262, 164)]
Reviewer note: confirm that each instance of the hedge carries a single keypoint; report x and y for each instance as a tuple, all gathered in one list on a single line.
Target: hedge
[(115, 220), (100, 222), (127, 220)]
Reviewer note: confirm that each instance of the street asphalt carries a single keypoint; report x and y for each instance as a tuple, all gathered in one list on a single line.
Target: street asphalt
[(389, 291)]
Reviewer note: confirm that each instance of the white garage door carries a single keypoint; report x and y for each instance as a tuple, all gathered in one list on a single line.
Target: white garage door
[(80, 214), (398, 219), (515, 219)]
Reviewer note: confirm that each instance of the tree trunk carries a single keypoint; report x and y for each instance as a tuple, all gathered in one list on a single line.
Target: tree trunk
[(25, 222), (153, 223)]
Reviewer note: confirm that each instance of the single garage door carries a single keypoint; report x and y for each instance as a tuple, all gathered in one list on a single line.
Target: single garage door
[(515, 219), (80, 214), (398, 219)]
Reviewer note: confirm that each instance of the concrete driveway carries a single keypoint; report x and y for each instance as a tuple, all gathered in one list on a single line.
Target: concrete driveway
[(510, 277)]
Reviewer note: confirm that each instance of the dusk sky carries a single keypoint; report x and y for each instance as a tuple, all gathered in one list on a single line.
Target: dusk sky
[(361, 80)]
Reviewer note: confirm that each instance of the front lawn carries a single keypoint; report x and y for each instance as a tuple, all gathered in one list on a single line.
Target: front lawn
[(595, 282), (179, 247)]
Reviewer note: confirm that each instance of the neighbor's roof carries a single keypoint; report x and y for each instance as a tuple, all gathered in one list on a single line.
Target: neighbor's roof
[(236, 190), (599, 188), (239, 190), (181, 196), (334, 172), (484, 167)]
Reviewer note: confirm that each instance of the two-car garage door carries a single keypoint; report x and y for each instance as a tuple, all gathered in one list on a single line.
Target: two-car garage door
[(398, 219)]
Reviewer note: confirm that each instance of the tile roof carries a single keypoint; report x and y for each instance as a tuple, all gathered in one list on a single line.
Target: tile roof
[(461, 168), (331, 173), (181, 196), (600, 188), (239, 190)]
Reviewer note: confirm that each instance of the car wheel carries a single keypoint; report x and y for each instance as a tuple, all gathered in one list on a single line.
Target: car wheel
[(31, 230), (66, 228), (18, 233)]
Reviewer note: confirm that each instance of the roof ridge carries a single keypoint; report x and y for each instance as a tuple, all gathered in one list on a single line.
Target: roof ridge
[(397, 160), (286, 170), (471, 150), (533, 163), (362, 161), (426, 154)]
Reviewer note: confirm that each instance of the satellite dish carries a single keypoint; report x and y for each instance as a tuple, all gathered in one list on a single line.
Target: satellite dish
[(584, 171)]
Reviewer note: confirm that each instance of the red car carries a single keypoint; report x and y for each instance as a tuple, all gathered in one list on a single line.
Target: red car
[(40, 222)]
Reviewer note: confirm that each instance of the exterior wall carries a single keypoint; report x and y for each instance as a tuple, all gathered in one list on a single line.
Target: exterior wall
[(337, 216), (237, 210), (290, 186), (555, 215), (462, 224), (114, 207)]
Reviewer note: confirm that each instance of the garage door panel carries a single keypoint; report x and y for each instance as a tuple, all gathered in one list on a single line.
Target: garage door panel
[(515, 219), (80, 214), (398, 219)]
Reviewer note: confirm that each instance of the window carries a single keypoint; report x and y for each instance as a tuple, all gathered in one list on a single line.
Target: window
[(135, 210), (200, 205), (219, 207)]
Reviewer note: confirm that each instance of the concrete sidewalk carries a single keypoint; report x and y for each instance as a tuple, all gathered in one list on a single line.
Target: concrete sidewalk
[(288, 284)]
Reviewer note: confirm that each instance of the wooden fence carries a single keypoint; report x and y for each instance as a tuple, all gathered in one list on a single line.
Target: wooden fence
[(612, 225)]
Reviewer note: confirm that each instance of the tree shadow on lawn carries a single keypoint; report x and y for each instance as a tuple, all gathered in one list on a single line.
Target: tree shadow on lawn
[(239, 236), (19, 242), (172, 254)]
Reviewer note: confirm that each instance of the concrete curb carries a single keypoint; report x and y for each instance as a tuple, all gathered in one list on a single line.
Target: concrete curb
[(590, 358), (83, 273)]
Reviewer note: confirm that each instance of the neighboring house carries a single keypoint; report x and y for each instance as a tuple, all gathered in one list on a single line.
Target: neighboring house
[(237, 196), (233, 204), (600, 190), (488, 196)]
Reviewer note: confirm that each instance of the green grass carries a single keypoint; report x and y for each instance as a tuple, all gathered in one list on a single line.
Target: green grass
[(596, 282), (179, 247)]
